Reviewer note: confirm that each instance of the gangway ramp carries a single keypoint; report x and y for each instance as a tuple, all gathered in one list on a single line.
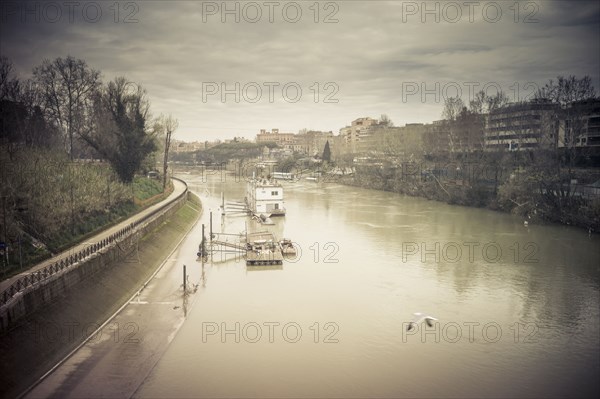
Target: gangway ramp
[(227, 244)]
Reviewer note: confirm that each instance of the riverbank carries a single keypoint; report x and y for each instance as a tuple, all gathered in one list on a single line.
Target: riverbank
[(531, 207), (43, 338), (29, 251)]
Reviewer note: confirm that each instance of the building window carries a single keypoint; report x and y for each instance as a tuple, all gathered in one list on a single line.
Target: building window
[(274, 192)]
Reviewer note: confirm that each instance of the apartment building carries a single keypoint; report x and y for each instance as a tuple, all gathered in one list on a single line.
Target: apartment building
[(579, 125), (359, 134), (283, 140), (522, 126)]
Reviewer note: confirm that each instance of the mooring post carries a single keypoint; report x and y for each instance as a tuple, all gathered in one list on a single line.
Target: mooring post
[(203, 242), (184, 280), (222, 203)]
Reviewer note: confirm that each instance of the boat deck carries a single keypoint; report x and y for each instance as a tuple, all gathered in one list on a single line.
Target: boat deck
[(264, 257), (262, 249)]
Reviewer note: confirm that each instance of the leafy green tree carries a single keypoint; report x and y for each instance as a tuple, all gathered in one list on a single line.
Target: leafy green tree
[(120, 133), (287, 165), (327, 153)]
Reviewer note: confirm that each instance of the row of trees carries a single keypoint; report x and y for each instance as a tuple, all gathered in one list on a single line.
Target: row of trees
[(66, 105), (224, 152), (533, 182), (51, 126)]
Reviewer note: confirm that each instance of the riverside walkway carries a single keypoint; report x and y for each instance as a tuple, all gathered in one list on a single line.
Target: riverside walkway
[(178, 189)]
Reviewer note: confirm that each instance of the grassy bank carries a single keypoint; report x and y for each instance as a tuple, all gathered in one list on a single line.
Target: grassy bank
[(46, 336), (27, 251)]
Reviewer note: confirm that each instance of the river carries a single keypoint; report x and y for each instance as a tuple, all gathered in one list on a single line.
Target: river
[(517, 306)]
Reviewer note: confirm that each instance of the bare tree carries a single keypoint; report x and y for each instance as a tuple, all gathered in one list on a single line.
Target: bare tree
[(551, 170), (67, 86), (170, 124), (495, 102), (483, 104), (480, 108), (571, 94), (385, 121), (453, 107), (22, 122), (9, 85), (567, 90)]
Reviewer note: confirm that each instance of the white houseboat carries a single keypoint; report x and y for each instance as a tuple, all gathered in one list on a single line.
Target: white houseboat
[(265, 197)]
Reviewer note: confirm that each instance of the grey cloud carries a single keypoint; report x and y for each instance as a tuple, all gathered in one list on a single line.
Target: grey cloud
[(369, 54)]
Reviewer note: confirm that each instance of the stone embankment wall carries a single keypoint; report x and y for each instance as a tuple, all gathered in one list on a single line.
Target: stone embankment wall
[(42, 287)]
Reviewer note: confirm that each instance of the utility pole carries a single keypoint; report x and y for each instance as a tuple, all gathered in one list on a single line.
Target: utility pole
[(203, 241)]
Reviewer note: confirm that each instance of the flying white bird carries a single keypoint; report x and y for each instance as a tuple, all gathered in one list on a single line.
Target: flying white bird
[(419, 317)]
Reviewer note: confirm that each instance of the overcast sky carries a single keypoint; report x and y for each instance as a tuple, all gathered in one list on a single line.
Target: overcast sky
[(362, 58)]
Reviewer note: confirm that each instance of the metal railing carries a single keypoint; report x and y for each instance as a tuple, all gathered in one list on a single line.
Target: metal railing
[(40, 275)]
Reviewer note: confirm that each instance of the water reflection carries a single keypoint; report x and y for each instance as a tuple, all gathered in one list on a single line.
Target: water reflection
[(518, 307)]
